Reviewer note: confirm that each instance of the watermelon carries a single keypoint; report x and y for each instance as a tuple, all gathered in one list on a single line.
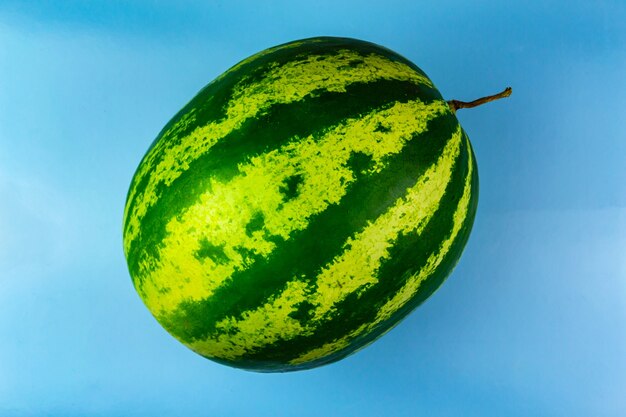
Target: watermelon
[(300, 205)]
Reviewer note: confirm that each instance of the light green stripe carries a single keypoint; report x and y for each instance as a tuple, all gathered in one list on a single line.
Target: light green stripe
[(410, 288), (289, 83), (222, 215), (353, 270)]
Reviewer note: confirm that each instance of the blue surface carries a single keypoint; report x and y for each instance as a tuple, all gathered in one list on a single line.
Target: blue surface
[(533, 320)]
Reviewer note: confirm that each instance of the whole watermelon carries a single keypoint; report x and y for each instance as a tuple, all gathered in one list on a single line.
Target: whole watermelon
[(300, 206)]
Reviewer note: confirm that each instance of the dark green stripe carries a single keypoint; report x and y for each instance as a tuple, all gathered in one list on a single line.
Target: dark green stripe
[(409, 254), (258, 136), (307, 251)]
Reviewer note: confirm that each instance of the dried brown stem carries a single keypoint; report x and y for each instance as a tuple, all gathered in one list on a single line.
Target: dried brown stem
[(456, 104)]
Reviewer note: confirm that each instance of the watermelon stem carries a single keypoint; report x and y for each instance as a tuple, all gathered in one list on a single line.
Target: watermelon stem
[(456, 104)]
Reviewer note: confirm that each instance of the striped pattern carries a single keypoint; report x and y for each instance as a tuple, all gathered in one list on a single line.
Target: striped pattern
[(300, 205)]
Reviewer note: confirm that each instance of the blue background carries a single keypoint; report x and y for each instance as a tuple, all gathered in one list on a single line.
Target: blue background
[(531, 323)]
